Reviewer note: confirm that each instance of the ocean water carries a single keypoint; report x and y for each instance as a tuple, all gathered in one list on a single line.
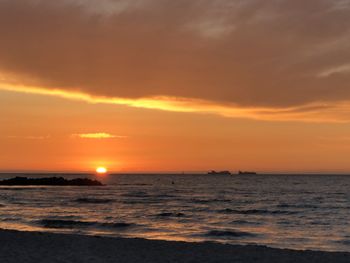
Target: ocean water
[(283, 211)]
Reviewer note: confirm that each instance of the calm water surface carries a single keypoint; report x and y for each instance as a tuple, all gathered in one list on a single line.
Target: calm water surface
[(284, 211)]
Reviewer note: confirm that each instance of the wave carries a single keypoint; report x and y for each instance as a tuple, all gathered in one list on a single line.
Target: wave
[(343, 242), (125, 184), (284, 223), (245, 222), (135, 194), (164, 196), (170, 214), (257, 212), (140, 201), (319, 223), (206, 201), (116, 225), (141, 194), (93, 201), (24, 188), (11, 219), (60, 223), (228, 233), (297, 206)]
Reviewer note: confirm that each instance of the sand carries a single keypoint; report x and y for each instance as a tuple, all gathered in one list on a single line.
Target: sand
[(27, 247)]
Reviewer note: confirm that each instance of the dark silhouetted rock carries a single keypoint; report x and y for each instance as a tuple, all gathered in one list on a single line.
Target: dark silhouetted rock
[(58, 181)]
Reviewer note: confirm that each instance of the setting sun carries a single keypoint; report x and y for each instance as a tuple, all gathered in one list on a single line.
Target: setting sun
[(101, 170)]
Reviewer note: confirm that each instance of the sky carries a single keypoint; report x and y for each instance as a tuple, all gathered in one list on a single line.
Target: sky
[(162, 85)]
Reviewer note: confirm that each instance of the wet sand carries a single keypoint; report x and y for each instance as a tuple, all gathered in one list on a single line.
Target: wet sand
[(38, 247)]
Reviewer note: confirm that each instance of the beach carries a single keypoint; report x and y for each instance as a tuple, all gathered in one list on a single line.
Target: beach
[(49, 247)]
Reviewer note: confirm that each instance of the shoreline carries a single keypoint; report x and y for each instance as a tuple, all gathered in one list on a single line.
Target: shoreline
[(21, 246)]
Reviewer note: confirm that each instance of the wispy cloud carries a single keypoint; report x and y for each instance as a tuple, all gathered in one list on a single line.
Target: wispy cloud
[(98, 135), (342, 69)]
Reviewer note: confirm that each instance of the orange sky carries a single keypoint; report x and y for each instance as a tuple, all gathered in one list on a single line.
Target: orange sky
[(162, 86), (41, 133)]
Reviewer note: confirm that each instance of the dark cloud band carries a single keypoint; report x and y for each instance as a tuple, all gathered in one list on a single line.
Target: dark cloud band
[(249, 53)]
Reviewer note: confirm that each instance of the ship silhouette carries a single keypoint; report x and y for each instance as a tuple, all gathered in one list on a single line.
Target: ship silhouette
[(219, 172), (246, 173)]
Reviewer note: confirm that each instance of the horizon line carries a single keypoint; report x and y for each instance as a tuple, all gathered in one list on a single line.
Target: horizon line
[(177, 172)]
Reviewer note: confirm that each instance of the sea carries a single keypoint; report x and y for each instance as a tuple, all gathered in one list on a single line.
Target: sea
[(283, 211)]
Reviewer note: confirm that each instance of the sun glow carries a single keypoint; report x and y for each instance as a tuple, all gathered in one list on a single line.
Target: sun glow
[(101, 170)]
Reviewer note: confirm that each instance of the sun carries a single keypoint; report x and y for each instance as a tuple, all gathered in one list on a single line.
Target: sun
[(101, 170)]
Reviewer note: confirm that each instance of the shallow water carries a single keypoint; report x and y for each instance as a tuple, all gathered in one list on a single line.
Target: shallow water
[(284, 211)]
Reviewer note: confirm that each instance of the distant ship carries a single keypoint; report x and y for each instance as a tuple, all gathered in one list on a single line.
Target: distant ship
[(219, 173), (246, 173)]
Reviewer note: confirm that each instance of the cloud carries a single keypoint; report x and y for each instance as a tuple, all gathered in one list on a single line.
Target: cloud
[(98, 135), (313, 112), (342, 69), (237, 55)]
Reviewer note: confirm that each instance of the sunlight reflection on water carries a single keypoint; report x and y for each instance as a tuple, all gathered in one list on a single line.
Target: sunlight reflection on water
[(301, 212)]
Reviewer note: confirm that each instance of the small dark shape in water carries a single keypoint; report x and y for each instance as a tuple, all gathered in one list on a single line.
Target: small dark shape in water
[(168, 214), (229, 233), (56, 181), (93, 201)]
